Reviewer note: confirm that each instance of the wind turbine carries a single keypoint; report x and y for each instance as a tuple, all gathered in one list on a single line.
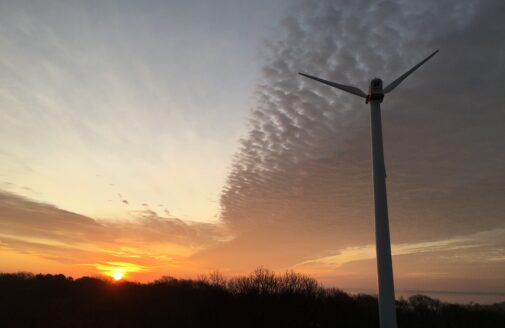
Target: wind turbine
[(387, 311)]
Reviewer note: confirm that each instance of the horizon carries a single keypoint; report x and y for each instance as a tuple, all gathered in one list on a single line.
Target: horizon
[(139, 140), (448, 296)]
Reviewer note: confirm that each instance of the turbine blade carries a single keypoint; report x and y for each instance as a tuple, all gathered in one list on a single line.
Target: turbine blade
[(399, 80), (347, 88)]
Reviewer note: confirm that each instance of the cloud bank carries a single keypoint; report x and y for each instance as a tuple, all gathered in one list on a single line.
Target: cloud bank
[(301, 184)]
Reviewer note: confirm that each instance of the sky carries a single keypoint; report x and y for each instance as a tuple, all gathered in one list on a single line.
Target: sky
[(176, 138)]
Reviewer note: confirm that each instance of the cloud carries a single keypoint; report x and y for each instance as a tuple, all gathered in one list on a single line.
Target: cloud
[(486, 241), (147, 241), (301, 178), (22, 217), (157, 228), (473, 262)]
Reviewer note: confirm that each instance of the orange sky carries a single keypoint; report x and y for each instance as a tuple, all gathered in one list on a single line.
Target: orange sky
[(42, 238)]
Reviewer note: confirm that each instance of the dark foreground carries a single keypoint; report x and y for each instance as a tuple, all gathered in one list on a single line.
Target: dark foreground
[(261, 299)]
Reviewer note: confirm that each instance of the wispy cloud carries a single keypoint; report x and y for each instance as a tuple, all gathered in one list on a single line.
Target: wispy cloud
[(483, 240), (146, 243)]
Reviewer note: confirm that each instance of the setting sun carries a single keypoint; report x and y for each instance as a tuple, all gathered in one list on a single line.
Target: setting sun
[(118, 270), (117, 275)]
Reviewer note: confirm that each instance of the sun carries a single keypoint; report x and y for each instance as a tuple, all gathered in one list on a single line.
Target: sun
[(118, 271), (117, 275)]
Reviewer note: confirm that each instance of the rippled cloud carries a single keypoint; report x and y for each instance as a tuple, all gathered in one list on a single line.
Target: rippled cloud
[(301, 183)]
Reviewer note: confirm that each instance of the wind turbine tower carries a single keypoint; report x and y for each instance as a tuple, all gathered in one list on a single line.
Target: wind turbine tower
[(375, 96)]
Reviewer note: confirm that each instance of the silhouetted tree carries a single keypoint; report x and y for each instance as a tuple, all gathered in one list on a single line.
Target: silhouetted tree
[(261, 299)]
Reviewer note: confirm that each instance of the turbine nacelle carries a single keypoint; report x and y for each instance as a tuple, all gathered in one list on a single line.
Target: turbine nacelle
[(375, 91)]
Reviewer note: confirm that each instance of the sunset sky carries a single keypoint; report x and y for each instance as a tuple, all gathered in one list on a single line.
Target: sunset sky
[(157, 138)]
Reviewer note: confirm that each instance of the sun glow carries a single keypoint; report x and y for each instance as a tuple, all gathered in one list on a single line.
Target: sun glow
[(117, 275), (119, 270)]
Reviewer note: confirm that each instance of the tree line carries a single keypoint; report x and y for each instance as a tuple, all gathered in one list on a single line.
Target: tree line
[(260, 299)]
